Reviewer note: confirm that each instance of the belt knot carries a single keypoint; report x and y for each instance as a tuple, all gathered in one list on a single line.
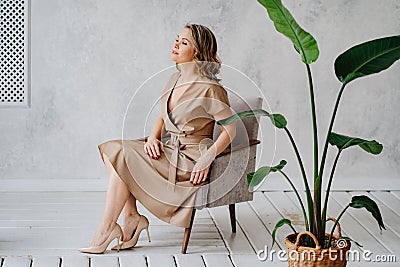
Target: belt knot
[(176, 143)]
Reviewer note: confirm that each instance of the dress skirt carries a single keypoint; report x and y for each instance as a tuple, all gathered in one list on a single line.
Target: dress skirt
[(147, 179)]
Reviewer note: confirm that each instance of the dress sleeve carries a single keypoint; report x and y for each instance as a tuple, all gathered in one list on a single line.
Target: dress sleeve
[(217, 100)]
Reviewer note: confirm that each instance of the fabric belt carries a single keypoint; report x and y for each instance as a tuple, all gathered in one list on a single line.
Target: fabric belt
[(176, 142)]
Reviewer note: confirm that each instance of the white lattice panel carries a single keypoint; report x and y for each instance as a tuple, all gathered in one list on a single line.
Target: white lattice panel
[(14, 53)]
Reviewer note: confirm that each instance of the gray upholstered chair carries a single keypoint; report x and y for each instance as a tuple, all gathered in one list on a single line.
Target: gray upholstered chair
[(228, 173)]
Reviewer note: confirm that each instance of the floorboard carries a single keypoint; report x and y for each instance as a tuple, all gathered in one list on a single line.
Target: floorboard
[(132, 260), (236, 243), (17, 262), (221, 260), (75, 261), (192, 260)]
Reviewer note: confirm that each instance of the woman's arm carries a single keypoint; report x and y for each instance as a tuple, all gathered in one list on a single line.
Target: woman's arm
[(153, 145), (157, 128), (228, 132)]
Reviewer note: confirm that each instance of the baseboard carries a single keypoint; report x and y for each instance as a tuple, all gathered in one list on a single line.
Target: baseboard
[(278, 183), (37, 185), (273, 183)]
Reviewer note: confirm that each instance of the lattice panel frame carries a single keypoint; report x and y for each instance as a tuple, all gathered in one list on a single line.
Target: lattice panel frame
[(15, 53)]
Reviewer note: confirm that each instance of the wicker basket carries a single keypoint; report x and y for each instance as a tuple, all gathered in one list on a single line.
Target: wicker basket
[(299, 256)]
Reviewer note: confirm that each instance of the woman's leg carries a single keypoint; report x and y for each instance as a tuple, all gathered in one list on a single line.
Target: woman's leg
[(116, 197), (131, 217)]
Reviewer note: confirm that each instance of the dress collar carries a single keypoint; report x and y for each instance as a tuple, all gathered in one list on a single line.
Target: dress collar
[(167, 114)]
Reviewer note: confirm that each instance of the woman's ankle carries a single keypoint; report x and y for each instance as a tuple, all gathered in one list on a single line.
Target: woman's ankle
[(132, 215), (103, 230)]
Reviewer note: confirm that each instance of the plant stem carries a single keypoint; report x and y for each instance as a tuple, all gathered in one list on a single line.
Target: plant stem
[(299, 198), (294, 230), (307, 187), (321, 170), (334, 226), (323, 216), (314, 120), (317, 189), (321, 235)]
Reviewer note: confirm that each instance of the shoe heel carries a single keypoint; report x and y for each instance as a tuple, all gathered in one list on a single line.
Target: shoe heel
[(148, 235), (118, 244)]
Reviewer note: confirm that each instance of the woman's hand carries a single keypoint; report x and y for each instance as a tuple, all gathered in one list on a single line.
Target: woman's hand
[(199, 175), (153, 148), (202, 166)]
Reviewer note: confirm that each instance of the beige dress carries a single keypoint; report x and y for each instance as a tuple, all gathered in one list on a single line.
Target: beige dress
[(162, 185)]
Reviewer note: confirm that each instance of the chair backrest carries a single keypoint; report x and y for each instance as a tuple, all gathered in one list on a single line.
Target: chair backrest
[(228, 174)]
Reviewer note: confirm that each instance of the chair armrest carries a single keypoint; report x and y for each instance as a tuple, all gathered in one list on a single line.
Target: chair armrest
[(229, 150)]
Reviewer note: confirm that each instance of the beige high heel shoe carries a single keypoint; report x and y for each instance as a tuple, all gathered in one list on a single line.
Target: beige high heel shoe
[(115, 233), (143, 224)]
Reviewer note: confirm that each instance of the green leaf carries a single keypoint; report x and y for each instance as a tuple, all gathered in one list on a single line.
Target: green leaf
[(343, 142), (348, 239), (367, 58), (257, 177), (277, 119), (279, 224), (284, 23), (249, 177), (243, 114), (359, 202)]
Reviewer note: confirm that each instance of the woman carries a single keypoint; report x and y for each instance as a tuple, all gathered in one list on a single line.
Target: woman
[(165, 176)]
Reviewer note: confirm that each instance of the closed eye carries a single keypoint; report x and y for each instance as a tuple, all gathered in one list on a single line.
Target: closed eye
[(185, 43)]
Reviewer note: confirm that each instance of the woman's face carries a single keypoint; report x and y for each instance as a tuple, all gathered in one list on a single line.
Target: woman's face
[(183, 49)]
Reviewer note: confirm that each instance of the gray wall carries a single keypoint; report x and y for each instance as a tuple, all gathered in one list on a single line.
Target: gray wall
[(90, 57)]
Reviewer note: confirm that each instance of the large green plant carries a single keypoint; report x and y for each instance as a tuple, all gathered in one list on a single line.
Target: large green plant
[(361, 60)]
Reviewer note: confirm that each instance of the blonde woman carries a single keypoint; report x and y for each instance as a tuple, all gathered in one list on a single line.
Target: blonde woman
[(165, 175)]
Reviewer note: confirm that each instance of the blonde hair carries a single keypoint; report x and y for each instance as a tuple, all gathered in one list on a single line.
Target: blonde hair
[(207, 61)]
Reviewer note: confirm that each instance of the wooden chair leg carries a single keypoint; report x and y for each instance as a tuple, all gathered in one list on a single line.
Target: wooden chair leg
[(187, 233), (233, 217)]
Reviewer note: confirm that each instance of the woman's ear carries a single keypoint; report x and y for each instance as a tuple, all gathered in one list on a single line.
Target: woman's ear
[(196, 54)]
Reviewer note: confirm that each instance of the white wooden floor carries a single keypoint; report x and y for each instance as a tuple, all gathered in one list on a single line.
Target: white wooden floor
[(45, 229)]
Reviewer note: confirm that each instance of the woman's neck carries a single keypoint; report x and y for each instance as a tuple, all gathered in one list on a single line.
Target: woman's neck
[(188, 71)]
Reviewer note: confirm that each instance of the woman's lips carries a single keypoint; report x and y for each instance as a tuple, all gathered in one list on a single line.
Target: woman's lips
[(174, 52)]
